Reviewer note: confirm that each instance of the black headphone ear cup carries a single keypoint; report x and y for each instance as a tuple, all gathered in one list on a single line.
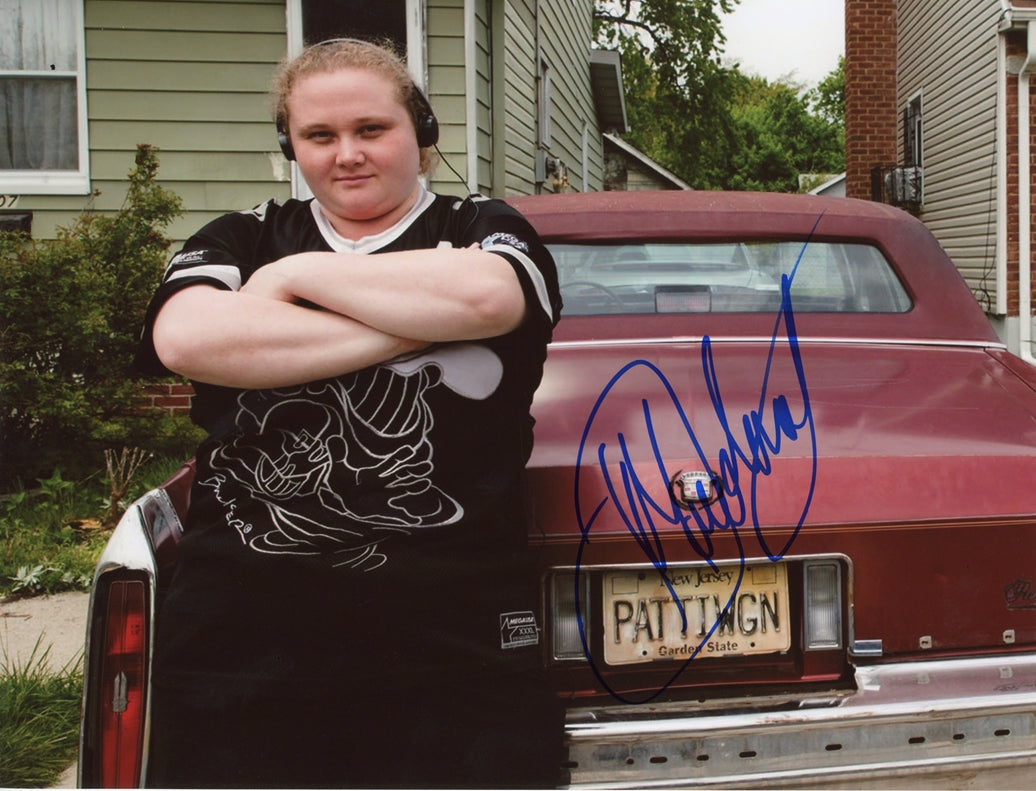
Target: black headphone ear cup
[(427, 124), (427, 131), (285, 143)]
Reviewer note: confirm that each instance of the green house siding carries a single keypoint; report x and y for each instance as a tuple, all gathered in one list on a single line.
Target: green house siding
[(189, 78), (564, 40), (447, 80), (560, 39), (520, 99), (483, 96), (501, 90)]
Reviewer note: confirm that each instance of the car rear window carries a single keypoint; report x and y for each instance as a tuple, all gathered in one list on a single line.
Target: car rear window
[(826, 277)]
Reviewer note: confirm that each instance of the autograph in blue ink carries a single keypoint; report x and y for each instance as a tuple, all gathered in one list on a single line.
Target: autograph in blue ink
[(750, 443)]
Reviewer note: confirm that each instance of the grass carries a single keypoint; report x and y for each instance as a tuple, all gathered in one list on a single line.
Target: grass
[(39, 719)]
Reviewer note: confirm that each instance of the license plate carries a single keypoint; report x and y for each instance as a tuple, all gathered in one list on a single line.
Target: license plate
[(645, 622)]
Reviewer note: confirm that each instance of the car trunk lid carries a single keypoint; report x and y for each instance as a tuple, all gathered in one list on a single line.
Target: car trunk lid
[(901, 458)]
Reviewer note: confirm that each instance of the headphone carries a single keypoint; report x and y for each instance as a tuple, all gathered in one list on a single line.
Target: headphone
[(426, 123)]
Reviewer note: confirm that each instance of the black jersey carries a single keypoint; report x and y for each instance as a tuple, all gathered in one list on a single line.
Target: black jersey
[(373, 513)]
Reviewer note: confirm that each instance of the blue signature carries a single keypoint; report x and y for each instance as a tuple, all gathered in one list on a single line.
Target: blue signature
[(747, 448)]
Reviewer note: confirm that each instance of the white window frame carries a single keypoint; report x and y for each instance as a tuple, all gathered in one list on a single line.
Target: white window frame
[(59, 182)]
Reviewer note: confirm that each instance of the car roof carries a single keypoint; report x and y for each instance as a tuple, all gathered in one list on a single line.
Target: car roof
[(944, 309), (703, 213)]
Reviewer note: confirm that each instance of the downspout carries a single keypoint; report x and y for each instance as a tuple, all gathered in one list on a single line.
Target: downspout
[(999, 306), (1025, 203)]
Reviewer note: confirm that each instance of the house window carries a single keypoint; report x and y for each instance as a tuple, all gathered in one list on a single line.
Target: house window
[(43, 148), (354, 19), (912, 133), (398, 21)]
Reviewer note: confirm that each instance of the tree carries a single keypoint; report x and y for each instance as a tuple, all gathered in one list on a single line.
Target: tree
[(713, 126), (683, 37), (677, 92), (828, 98), (778, 138)]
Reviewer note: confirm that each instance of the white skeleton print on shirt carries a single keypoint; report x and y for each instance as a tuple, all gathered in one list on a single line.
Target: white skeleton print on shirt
[(366, 435)]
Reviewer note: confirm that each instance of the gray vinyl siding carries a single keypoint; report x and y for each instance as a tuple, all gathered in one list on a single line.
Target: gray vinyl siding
[(189, 78), (948, 55)]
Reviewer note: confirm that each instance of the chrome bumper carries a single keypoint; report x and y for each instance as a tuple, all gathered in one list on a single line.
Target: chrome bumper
[(918, 724)]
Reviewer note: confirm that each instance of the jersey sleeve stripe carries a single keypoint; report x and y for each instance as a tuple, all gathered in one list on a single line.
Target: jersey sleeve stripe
[(229, 276), (531, 270)]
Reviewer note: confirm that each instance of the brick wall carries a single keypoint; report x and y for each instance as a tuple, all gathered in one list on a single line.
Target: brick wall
[(870, 91), (173, 397), (1016, 49)]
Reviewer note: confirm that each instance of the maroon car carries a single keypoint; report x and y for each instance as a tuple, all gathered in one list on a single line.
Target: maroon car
[(784, 482)]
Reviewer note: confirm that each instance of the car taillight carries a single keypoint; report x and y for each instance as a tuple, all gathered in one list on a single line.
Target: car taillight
[(123, 685), (823, 603)]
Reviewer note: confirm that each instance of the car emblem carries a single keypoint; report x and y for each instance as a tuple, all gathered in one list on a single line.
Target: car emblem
[(686, 493)]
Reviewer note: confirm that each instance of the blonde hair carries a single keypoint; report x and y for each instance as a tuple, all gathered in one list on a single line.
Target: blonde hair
[(348, 53)]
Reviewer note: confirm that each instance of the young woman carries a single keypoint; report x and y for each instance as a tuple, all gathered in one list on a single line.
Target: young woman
[(355, 555)]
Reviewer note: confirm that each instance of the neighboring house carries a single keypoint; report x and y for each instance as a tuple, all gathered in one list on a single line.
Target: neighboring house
[(832, 186), (940, 120), (521, 98), (627, 168)]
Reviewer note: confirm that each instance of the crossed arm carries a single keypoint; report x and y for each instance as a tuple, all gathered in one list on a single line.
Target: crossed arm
[(375, 307)]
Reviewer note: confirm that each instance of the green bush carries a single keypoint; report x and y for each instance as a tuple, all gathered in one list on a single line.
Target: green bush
[(70, 315)]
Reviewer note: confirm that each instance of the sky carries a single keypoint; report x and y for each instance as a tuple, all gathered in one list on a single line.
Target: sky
[(778, 38)]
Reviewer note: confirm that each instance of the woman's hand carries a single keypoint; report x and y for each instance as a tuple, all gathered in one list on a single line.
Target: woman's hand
[(272, 280)]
